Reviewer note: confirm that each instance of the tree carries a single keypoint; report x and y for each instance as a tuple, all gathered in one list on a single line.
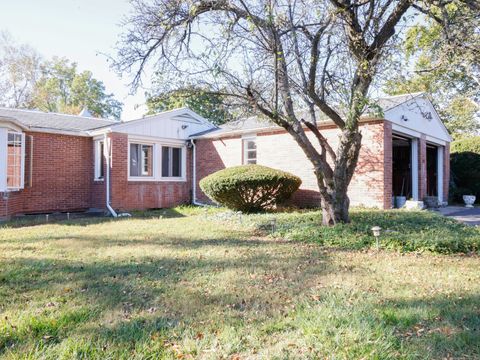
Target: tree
[(443, 66), (205, 103), (28, 81), (277, 58), (61, 88), (19, 71)]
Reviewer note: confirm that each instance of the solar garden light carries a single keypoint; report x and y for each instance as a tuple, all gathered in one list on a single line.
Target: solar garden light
[(376, 232), (273, 223)]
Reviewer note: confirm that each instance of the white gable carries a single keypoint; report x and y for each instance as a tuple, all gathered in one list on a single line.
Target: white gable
[(418, 116), (176, 124)]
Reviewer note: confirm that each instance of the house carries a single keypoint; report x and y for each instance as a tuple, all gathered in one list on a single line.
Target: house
[(57, 163)]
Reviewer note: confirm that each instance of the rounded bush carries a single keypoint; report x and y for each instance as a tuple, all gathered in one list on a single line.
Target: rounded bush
[(250, 188), (465, 168)]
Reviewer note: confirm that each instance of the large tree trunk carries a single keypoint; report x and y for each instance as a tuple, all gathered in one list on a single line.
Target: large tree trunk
[(335, 202), (335, 209)]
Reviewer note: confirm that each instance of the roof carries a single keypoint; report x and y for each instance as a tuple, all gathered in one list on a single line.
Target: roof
[(389, 102), (241, 125), (256, 123), (39, 120)]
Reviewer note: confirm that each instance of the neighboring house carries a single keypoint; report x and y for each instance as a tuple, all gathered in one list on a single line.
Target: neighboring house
[(56, 163)]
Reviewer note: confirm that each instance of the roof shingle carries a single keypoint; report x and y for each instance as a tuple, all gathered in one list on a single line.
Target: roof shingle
[(53, 121)]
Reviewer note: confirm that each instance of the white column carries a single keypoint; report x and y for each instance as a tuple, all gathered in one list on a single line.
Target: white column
[(414, 169), (440, 152), (3, 159)]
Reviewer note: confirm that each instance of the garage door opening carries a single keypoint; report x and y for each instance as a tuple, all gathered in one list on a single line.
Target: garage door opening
[(432, 170), (401, 170)]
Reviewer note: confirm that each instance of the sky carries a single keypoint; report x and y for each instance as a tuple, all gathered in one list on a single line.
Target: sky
[(80, 30)]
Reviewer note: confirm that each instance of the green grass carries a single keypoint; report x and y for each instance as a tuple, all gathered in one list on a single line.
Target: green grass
[(195, 283), (401, 230)]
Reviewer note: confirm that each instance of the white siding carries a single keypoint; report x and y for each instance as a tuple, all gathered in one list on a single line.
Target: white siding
[(177, 126), (416, 117)]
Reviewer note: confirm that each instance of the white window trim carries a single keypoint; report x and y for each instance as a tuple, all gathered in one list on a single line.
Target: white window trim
[(245, 150), (142, 159), (22, 162), (154, 156), (98, 159), (157, 144)]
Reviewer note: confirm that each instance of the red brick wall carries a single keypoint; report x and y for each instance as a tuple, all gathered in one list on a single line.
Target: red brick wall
[(279, 150), (61, 175), (422, 167), (388, 163), (139, 195)]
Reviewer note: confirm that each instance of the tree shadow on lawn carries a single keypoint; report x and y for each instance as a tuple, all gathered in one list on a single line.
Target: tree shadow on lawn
[(440, 326), (86, 219), (154, 290), (148, 302)]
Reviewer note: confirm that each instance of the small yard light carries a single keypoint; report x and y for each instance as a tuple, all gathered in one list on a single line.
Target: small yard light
[(273, 223), (376, 232)]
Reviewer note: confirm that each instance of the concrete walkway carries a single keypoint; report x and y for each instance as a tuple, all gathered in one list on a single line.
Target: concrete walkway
[(469, 216)]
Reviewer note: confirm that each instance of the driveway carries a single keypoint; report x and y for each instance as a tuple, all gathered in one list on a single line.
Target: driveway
[(468, 216)]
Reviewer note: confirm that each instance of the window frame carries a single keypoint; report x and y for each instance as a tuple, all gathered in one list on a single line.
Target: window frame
[(246, 150), (154, 152), (22, 161), (182, 176), (157, 144), (99, 159)]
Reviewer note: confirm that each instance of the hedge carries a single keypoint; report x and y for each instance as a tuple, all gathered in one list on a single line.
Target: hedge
[(465, 168), (250, 188)]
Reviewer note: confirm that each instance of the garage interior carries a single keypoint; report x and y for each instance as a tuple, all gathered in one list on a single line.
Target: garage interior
[(401, 166), (432, 170)]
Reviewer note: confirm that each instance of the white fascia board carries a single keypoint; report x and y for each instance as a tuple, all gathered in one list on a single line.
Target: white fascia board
[(405, 131), (398, 129), (99, 132), (3, 159), (12, 124), (58, 132), (435, 140), (153, 139)]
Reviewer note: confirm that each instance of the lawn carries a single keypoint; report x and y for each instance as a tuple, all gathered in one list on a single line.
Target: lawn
[(207, 284)]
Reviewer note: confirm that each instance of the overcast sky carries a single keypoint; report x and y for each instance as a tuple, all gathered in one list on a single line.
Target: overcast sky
[(81, 30)]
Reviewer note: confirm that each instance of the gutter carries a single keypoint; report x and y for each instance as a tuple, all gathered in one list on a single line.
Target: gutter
[(240, 131), (107, 154), (194, 176)]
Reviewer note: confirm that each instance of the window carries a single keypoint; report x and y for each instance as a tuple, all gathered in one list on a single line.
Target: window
[(249, 151), (171, 161), (99, 160), (141, 160), (15, 159)]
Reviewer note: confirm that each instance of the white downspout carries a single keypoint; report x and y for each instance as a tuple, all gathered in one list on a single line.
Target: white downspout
[(107, 154), (194, 176)]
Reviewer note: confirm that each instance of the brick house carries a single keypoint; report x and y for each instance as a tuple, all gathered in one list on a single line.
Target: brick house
[(59, 163)]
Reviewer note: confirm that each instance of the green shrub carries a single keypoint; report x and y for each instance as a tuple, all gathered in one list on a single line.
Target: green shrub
[(465, 168), (250, 188)]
